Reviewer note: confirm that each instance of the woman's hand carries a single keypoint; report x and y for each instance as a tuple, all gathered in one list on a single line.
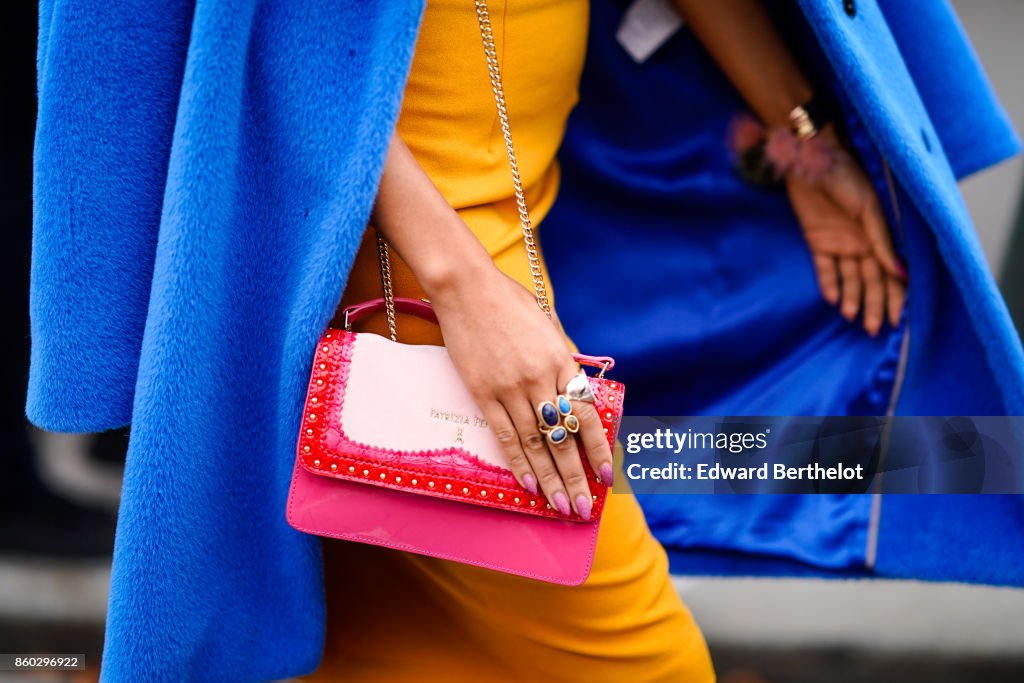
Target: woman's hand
[(513, 358), (850, 243), (841, 218), (508, 353)]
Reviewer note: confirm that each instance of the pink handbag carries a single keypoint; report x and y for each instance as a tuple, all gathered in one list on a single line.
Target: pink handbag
[(393, 450)]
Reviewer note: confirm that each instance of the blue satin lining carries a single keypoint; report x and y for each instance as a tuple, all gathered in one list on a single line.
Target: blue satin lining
[(702, 288)]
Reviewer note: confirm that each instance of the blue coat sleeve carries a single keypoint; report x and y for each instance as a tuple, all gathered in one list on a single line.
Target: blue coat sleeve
[(109, 75), (972, 125)]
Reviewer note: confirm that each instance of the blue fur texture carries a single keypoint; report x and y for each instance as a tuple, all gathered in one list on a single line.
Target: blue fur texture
[(204, 173)]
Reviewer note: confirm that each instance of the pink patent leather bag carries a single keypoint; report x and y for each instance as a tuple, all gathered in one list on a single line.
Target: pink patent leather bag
[(433, 482)]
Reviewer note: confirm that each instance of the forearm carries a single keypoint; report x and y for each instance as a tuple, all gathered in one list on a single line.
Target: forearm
[(741, 37), (508, 354), (422, 227)]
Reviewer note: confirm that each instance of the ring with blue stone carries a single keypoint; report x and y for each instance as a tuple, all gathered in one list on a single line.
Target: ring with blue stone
[(569, 421), (563, 405), (557, 435), (548, 415), (551, 415)]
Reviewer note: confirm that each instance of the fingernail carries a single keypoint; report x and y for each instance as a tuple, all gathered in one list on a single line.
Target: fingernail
[(901, 269), (606, 473), (583, 506), (530, 483), (561, 502)]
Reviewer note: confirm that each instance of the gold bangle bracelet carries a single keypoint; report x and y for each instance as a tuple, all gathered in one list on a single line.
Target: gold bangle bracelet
[(802, 124)]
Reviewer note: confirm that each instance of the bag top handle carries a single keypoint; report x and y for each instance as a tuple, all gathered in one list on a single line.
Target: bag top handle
[(421, 308)]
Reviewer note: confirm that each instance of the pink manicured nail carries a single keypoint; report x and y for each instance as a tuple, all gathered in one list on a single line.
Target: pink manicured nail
[(583, 506), (561, 502), (901, 269), (530, 483), (606, 474)]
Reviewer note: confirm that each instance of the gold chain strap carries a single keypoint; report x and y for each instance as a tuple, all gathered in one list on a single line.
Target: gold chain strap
[(484, 19), (389, 292), (539, 287)]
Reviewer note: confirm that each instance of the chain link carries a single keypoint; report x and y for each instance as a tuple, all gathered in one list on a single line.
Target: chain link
[(539, 286), (389, 292), (540, 289)]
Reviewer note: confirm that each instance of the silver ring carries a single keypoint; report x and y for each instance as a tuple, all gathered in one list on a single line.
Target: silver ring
[(579, 389)]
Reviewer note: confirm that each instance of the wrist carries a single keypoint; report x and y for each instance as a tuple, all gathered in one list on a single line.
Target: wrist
[(766, 156), (808, 119), (779, 112), (454, 272), (829, 134)]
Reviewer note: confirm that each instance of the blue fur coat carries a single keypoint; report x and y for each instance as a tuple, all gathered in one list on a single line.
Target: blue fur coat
[(204, 171)]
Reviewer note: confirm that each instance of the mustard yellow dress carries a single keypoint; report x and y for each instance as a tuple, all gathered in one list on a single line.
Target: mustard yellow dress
[(394, 617)]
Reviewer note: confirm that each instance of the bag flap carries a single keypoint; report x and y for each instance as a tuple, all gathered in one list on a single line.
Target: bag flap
[(398, 416)]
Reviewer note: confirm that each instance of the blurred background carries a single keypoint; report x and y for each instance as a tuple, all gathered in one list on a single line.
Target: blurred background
[(59, 492)]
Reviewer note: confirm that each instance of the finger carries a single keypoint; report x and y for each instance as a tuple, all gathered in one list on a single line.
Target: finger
[(591, 434), (849, 269), (566, 454), (828, 277), (874, 295), (880, 239), (535, 446), (594, 439), (508, 439), (895, 296)]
